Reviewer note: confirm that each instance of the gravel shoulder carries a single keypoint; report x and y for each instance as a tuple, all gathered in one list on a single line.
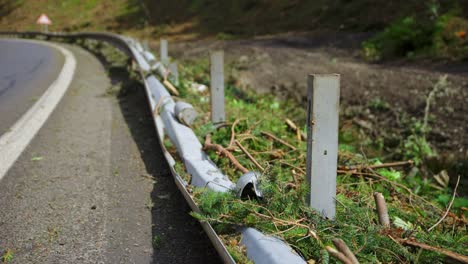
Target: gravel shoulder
[(92, 186)]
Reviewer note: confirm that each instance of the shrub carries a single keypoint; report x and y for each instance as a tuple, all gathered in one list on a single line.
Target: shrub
[(443, 36), (401, 38), (450, 38)]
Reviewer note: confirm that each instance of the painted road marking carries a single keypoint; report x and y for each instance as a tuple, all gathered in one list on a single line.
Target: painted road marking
[(18, 137)]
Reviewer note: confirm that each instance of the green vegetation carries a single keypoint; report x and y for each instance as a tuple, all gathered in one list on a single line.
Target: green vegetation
[(415, 202), (66, 15), (7, 256), (437, 35), (36, 158), (157, 241)]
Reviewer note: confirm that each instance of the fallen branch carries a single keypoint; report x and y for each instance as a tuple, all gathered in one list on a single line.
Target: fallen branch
[(382, 211), (448, 208), (338, 255), (171, 87), (292, 166), (448, 253), (343, 248), (278, 140), (378, 166), (287, 223), (158, 105), (295, 128), (251, 158), (222, 151), (233, 133), (375, 175)]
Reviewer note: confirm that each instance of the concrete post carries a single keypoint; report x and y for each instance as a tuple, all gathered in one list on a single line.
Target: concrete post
[(217, 88), (322, 141), (164, 52), (174, 73)]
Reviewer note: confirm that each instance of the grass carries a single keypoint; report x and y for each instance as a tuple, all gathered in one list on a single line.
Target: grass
[(413, 201), (157, 241), (37, 158), (149, 204), (66, 15), (7, 256)]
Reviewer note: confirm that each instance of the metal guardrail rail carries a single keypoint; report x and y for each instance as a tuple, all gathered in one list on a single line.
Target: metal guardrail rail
[(260, 248)]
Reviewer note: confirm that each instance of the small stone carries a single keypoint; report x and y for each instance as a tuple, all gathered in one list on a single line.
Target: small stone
[(93, 207)]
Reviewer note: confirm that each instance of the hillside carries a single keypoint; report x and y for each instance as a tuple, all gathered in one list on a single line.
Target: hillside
[(237, 17), (435, 29), (68, 15)]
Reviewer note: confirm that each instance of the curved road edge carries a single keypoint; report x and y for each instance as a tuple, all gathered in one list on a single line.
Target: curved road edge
[(14, 141)]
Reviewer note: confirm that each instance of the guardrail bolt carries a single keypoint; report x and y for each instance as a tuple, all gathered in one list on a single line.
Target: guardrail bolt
[(323, 96), (217, 88)]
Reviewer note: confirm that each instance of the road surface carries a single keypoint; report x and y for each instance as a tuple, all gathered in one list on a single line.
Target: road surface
[(93, 186), (26, 70)]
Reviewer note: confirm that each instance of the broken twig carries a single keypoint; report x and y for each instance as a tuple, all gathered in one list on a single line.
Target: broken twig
[(295, 128), (382, 211), (448, 208), (171, 87), (378, 166), (233, 133), (338, 255), (225, 152), (278, 140), (448, 253), (343, 248), (251, 158)]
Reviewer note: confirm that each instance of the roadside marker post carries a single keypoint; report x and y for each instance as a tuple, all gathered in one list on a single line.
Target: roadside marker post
[(174, 73), (164, 52), (217, 88), (323, 96), (44, 21)]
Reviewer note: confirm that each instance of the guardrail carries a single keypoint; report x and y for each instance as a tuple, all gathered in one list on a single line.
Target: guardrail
[(260, 248)]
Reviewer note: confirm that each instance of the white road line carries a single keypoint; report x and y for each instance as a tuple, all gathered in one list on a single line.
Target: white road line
[(15, 140)]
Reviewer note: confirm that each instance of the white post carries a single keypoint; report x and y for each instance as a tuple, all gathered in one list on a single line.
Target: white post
[(323, 98), (217, 87), (164, 53)]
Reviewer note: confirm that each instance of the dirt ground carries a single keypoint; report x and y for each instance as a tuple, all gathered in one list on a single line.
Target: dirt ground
[(280, 65)]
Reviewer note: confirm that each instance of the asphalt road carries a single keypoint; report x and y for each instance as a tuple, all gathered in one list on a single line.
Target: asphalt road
[(26, 70), (93, 185)]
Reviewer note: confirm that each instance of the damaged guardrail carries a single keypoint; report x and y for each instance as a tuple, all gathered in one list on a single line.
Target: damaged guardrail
[(204, 173)]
